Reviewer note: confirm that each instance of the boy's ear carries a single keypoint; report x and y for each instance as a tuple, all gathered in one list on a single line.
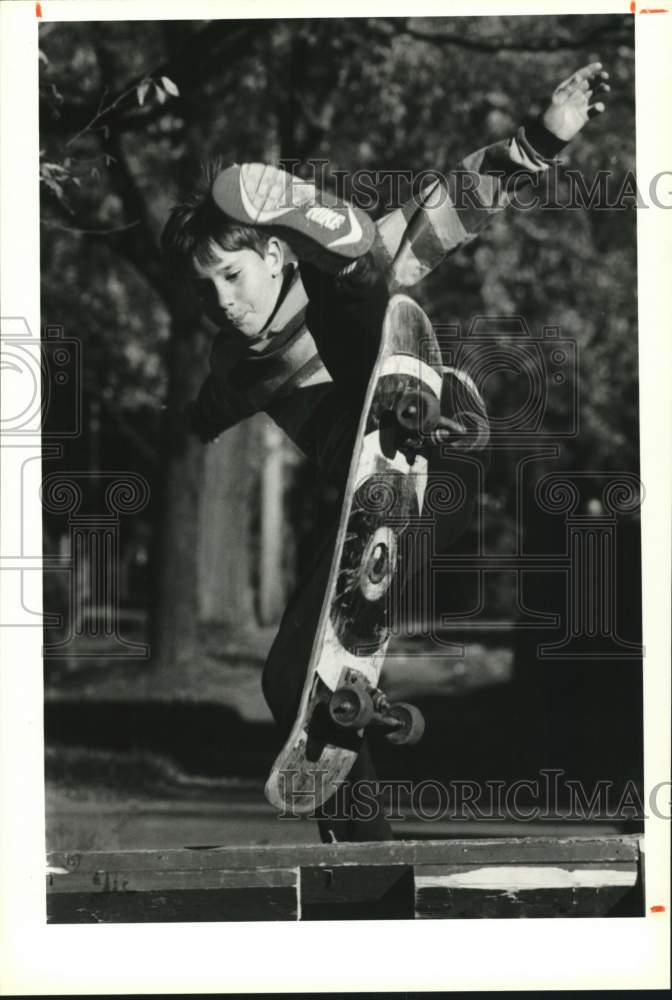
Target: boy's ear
[(275, 255)]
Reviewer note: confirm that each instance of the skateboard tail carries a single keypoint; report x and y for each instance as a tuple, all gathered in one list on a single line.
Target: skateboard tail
[(299, 787)]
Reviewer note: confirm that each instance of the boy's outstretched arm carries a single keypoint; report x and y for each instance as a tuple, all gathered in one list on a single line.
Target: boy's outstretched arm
[(451, 211)]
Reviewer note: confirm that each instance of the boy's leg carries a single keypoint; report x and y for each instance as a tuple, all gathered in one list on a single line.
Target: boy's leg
[(356, 811)]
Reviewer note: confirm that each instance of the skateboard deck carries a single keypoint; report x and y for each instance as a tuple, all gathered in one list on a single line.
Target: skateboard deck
[(384, 493)]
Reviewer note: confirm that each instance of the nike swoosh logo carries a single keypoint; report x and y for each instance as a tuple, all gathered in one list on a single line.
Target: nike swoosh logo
[(355, 234), (256, 213)]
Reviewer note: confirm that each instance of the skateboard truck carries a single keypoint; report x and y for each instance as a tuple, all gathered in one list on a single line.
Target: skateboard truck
[(418, 411), (416, 414), (356, 704)]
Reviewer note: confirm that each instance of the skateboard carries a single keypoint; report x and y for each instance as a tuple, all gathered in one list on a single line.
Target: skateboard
[(384, 492)]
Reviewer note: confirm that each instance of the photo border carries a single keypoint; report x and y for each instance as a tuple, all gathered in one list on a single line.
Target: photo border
[(398, 955)]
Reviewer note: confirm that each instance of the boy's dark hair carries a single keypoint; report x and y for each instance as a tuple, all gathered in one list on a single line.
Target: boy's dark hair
[(196, 224)]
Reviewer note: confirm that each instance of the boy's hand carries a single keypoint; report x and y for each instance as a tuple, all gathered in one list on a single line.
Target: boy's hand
[(574, 101)]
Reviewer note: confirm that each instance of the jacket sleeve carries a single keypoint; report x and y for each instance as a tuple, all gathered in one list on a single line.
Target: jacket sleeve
[(450, 211), (219, 404), (213, 411)]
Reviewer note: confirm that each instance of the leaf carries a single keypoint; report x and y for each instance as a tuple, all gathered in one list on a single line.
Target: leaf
[(42, 57), (170, 87), (54, 186), (161, 95), (141, 91), (53, 170)]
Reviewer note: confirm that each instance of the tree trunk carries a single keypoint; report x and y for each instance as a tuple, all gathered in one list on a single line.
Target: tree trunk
[(272, 582), (226, 551), (174, 609)]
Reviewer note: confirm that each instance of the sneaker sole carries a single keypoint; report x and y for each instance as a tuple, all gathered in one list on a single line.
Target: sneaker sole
[(260, 195)]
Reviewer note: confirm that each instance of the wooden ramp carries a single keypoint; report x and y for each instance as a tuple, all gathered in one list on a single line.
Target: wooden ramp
[(522, 877)]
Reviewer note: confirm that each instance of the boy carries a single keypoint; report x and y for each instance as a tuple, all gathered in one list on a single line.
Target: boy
[(299, 341)]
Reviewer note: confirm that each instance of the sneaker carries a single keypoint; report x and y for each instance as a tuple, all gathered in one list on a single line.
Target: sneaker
[(319, 227)]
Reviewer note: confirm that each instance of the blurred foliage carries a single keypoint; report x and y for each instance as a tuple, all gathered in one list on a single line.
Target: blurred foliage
[(128, 110)]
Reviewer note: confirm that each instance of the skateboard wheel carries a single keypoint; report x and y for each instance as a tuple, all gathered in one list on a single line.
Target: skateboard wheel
[(410, 724), (378, 564), (418, 411), (351, 708)]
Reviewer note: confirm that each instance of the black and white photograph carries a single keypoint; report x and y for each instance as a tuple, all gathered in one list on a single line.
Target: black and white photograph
[(331, 486)]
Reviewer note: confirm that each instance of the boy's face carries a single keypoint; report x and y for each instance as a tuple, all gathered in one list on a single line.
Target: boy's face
[(241, 288)]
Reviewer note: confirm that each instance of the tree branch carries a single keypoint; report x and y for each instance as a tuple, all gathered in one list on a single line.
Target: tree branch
[(598, 34), (214, 43), (91, 232), (79, 226), (135, 240)]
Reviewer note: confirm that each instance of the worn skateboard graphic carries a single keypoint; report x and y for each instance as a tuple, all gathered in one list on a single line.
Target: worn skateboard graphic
[(384, 493)]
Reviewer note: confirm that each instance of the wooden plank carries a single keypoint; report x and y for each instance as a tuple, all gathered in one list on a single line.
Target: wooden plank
[(147, 880), (524, 850), (519, 878), (541, 890), (527, 877), (364, 892), (464, 904), (173, 906)]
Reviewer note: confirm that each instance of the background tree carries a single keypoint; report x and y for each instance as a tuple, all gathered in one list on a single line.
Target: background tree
[(127, 113)]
